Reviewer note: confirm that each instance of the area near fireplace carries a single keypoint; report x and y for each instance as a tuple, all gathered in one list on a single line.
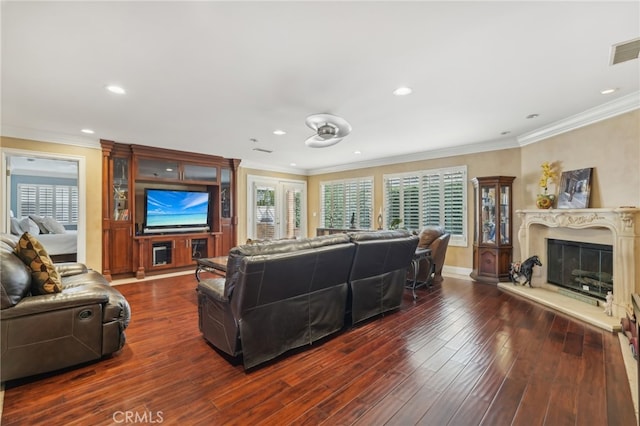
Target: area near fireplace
[(617, 227)]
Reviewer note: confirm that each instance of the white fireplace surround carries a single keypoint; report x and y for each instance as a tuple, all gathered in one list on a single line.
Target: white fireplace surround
[(618, 227)]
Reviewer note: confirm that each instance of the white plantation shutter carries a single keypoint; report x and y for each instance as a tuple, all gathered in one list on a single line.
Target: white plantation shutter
[(429, 197), (411, 202), (454, 189), (57, 201), (63, 205), (45, 200), (27, 200), (393, 187), (342, 200), (431, 184)]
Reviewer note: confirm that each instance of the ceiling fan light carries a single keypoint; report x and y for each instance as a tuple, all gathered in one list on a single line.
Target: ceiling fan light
[(330, 130), (318, 142)]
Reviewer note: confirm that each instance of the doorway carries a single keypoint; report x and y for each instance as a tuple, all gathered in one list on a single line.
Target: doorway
[(44, 185), (277, 208)]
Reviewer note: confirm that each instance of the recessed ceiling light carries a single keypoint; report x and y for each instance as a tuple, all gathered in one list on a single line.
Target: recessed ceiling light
[(530, 116), (609, 91), (293, 164), (87, 131), (169, 169), (279, 132), (402, 91), (116, 89), (357, 152)]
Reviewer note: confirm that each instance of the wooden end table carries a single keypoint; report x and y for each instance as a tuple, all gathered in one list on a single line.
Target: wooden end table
[(216, 265)]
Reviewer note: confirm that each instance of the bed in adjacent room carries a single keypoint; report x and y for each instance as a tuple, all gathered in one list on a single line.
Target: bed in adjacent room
[(61, 244)]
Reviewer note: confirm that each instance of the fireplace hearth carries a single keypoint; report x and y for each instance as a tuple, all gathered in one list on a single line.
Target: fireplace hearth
[(615, 227), (583, 268)]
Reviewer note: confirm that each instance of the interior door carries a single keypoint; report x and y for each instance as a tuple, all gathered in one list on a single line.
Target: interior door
[(50, 188), (266, 221), (292, 214), (277, 209)]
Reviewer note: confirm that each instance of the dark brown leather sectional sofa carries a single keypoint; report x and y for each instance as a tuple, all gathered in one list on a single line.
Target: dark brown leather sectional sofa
[(47, 332), (281, 295)]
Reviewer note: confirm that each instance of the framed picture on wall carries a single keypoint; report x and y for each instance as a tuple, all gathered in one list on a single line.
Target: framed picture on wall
[(575, 187)]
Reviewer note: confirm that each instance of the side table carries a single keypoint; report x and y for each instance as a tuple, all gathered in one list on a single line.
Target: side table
[(420, 255), (217, 265)]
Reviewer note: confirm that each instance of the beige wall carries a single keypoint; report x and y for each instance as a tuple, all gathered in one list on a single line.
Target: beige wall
[(611, 146), (93, 206)]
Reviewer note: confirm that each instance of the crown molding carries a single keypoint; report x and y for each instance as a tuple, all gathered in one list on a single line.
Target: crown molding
[(248, 164), (19, 132), (493, 145), (602, 112)]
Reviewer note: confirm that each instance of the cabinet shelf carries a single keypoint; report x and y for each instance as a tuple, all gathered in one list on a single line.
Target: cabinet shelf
[(493, 230)]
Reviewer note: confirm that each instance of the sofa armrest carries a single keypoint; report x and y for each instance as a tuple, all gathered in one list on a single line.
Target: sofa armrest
[(70, 298), (66, 269), (214, 288)]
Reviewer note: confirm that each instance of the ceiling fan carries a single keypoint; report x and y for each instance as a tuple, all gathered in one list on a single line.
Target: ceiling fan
[(330, 130)]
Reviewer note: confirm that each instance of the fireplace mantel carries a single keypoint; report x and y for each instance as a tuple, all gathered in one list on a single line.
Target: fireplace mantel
[(620, 227)]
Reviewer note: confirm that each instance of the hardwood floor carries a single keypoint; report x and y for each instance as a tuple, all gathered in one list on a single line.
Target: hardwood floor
[(463, 354)]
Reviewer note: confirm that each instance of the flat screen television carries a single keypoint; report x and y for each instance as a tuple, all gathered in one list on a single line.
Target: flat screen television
[(169, 210)]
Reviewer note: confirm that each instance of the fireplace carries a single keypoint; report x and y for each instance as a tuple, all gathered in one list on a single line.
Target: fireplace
[(584, 268), (618, 228)]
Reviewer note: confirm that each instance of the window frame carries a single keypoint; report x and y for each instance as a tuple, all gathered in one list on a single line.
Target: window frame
[(51, 207), (363, 208), (461, 239)]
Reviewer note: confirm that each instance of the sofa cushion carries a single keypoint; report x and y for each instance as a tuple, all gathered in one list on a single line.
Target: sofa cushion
[(429, 235), (44, 276), (15, 279)]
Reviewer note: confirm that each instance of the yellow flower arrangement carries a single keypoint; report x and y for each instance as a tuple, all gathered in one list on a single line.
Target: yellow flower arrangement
[(548, 174)]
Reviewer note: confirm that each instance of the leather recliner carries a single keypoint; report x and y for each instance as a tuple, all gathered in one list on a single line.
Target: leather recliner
[(378, 275), (436, 239), (43, 333), (281, 295), (277, 296)]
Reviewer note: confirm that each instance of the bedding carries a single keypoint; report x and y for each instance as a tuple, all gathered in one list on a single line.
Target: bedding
[(56, 244), (54, 237)]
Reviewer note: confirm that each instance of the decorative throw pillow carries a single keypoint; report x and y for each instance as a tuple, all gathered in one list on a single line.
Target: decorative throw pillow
[(39, 220), (28, 225), (53, 225), (44, 276)]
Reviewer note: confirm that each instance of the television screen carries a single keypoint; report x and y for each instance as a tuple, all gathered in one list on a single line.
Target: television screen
[(176, 208)]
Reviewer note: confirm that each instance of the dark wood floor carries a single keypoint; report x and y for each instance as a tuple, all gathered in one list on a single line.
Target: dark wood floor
[(463, 354)]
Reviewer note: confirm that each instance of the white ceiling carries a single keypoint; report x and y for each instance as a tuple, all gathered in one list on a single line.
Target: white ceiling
[(209, 76)]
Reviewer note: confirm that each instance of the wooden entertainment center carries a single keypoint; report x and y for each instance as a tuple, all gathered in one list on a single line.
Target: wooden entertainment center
[(127, 171)]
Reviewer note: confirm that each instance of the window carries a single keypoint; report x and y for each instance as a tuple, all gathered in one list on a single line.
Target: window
[(429, 197), (345, 200), (57, 201)]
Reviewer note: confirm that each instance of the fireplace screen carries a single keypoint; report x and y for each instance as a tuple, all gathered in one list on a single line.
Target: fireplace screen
[(581, 267)]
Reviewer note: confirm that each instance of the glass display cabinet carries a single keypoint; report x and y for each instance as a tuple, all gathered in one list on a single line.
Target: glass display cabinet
[(493, 228)]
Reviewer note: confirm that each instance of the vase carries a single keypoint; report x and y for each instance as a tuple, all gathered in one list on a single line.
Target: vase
[(545, 201)]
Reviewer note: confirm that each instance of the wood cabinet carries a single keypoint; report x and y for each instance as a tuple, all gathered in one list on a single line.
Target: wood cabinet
[(128, 170), (117, 228), (493, 228), (161, 252)]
